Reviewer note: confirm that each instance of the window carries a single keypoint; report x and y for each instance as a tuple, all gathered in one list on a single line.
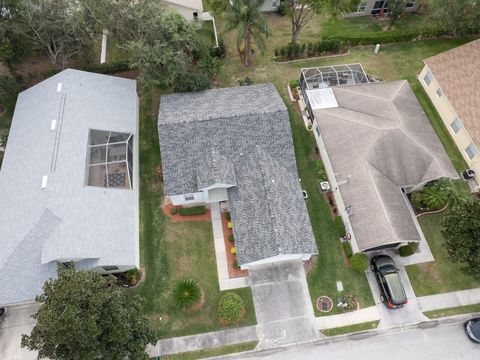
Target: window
[(439, 92), (471, 151), (189, 197), (456, 125), (109, 160), (274, 3), (428, 77), (110, 268), (361, 7), (409, 4), (195, 15)]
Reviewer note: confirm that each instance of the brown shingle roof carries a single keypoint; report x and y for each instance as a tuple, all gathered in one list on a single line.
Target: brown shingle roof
[(458, 73)]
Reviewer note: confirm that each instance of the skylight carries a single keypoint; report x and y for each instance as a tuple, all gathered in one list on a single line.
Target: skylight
[(109, 160)]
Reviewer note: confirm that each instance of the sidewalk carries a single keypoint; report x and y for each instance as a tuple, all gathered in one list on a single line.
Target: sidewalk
[(450, 299), (348, 318), (203, 341)]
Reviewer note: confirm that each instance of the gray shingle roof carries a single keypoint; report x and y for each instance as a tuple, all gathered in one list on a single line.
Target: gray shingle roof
[(248, 126), (215, 169), (380, 137), (66, 220)]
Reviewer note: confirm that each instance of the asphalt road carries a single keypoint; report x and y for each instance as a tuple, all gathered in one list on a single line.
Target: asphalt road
[(444, 342)]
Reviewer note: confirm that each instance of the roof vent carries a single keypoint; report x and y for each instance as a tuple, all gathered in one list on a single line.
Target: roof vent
[(44, 181), (53, 124), (59, 87)]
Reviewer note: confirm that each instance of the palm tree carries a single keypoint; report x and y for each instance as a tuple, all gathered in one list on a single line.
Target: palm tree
[(246, 16)]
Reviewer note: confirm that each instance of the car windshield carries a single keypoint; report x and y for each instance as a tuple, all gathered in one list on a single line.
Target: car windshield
[(388, 268), (396, 288), (475, 329)]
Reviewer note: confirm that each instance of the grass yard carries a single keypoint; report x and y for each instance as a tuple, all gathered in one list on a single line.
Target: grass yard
[(351, 329), (225, 350), (441, 275), (435, 314), (172, 251)]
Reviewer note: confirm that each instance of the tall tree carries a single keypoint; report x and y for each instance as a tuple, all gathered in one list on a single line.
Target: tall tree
[(84, 316), (62, 27), (246, 17), (462, 236), (457, 16), (395, 8)]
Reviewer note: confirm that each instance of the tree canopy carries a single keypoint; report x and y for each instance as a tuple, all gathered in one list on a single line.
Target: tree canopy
[(462, 235), (83, 315), (457, 16)]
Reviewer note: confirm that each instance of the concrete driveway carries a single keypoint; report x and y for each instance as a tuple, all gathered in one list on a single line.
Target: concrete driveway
[(409, 314), (17, 321), (282, 303)]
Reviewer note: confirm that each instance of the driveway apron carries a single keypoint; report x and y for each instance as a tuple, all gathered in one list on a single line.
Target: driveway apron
[(282, 303)]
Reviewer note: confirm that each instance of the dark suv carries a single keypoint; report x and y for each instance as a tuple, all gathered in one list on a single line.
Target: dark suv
[(393, 293)]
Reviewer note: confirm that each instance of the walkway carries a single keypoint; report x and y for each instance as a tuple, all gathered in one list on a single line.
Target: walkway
[(348, 318), (203, 341), (450, 299), (282, 304), (224, 280)]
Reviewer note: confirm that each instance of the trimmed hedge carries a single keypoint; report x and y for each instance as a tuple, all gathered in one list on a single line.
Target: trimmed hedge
[(173, 210), (235, 265), (228, 216), (297, 51), (107, 68), (231, 238), (340, 226), (359, 262), (231, 307), (347, 249), (195, 210), (406, 250)]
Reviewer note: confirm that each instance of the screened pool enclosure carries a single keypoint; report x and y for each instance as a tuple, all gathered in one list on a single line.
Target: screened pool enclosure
[(109, 160), (330, 76)]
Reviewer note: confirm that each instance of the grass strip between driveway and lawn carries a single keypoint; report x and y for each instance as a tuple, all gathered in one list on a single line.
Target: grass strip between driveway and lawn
[(351, 328), (224, 350), (171, 251), (459, 310)]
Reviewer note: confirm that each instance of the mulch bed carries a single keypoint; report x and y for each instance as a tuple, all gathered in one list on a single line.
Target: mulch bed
[(232, 273), (180, 218), (331, 203)]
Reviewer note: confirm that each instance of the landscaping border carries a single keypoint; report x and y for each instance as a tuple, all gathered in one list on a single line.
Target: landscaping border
[(312, 58)]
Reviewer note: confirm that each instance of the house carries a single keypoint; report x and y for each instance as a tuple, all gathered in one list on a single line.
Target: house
[(235, 145), (378, 146), (192, 10), (268, 5), (451, 80), (69, 182), (373, 7)]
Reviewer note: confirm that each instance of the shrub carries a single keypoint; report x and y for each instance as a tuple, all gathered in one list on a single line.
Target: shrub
[(245, 82), (173, 210), (406, 250), (231, 238), (320, 170), (340, 226), (231, 307), (220, 50), (107, 68), (186, 293), (417, 200), (233, 250), (195, 210), (294, 83), (191, 82), (359, 262), (235, 265), (347, 249), (228, 216), (133, 276)]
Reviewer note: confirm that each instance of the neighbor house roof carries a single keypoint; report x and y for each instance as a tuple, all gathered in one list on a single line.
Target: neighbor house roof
[(458, 74), (65, 220), (379, 141), (248, 130)]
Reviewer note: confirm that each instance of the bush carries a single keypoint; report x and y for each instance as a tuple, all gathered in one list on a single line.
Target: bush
[(195, 210), (295, 51), (107, 68), (173, 210), (294, 83), (133, 276), (340, 226), (231, 307), (186, 293), (347, 249), (218, 51), (406, 250), (359, 262), (245, 82), (227, 216), (231, 238), (235, 265), (191, 82), (320, 170)]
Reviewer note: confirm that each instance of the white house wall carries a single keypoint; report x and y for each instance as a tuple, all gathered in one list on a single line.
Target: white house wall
[(282, 257), (186, 12), (198, 198), (270, 5)]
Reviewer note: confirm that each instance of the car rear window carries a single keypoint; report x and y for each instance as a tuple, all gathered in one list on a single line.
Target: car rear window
[(396, 288)]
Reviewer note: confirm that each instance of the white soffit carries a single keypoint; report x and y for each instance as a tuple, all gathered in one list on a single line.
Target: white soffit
[(322, 99)]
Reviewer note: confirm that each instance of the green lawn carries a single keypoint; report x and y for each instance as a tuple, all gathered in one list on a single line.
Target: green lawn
[(351, 329), (172, 251), (435, 314), (225, 350), (441, 275)]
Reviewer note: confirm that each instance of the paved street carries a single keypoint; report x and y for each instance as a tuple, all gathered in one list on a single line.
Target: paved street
[(444, 342), (16, 322)]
